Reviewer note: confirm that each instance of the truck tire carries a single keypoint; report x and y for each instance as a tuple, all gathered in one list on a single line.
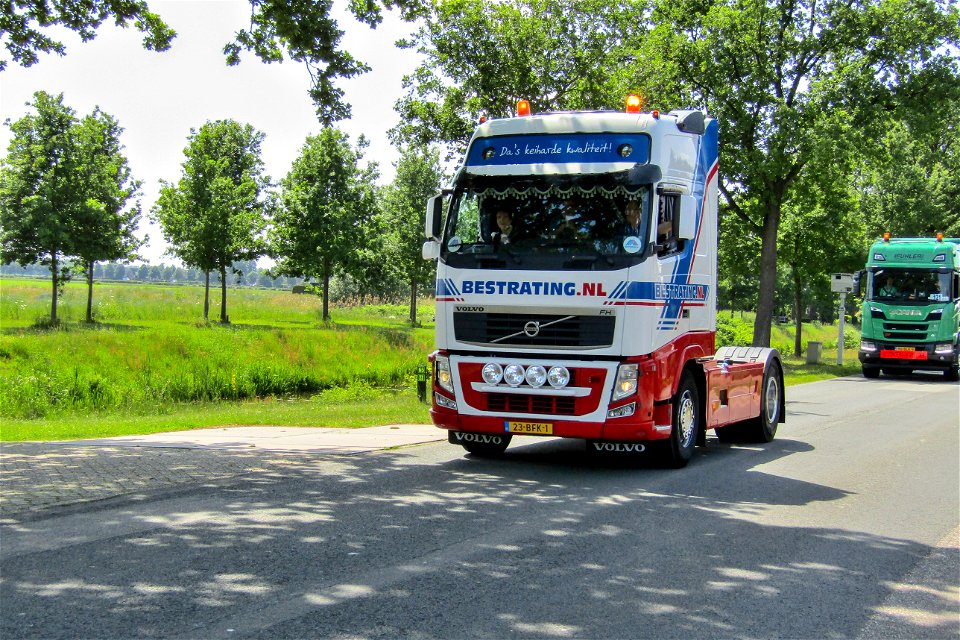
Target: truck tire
[(763, 428), (686, 424), (771, 401), (871, 371), (952, 374), (488, 449)]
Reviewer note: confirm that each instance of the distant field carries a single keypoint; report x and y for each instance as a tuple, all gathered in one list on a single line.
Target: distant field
[(150, 363)]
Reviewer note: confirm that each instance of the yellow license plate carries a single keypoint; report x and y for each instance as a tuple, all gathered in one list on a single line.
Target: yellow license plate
[(905, 349), (530, 428)]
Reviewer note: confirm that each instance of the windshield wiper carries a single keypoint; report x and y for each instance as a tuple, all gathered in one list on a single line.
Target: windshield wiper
[(587, 260)]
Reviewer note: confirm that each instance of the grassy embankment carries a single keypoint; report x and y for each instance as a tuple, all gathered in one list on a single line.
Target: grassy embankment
[(151, 364)]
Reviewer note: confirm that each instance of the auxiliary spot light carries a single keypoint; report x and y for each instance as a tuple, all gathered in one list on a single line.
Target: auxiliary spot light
[(492, 373), (513, 375)]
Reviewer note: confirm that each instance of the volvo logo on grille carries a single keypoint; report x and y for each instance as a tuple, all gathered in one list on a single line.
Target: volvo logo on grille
[(531, 329)]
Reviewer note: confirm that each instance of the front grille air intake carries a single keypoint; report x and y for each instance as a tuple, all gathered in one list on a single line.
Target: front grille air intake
[(551, 330)]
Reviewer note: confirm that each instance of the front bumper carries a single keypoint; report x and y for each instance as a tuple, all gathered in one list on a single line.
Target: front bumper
[(890, 355), (630, 429)]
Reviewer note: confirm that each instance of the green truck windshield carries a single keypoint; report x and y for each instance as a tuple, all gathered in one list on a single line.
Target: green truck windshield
[(909, 286)]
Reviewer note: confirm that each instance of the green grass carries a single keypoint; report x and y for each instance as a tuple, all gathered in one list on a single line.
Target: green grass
[(328, 409), (150, 363), (150, 359), (797, 371)]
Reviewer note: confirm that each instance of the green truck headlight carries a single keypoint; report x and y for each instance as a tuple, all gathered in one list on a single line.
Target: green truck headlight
[(943, 348)]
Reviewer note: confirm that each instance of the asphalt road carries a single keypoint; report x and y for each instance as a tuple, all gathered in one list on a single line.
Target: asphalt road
[(846, 526)]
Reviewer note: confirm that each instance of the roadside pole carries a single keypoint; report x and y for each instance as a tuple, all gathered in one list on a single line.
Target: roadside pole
[(843, 314), (841, 283)]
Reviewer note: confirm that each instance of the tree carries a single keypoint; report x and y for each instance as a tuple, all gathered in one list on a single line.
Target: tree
[(821, 233), (305, 31), (559, 54), (28, 27), (403, 204), (105, 227), (327, 205), (216, 214), (42, 191), (781, 76), (911, 186)]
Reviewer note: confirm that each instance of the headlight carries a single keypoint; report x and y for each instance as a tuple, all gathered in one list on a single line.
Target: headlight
[(444, 379), (558, 377), (627, 375), (444, 401), (625, 410), (492, 373), (943, 347), (536, 376), (867, 345), (513, 375)]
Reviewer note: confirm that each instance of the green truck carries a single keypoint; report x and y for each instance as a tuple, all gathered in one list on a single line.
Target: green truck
[(911, 306)]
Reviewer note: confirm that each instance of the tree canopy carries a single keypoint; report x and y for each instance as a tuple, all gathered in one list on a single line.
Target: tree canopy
[(304, 32), (64, 189), (327, 207), (784, 78), (481, 57), (28, 27), (403, 205), (216, 213)]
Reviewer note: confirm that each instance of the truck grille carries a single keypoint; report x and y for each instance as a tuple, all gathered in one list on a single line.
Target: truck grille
[(905, 330), (554, 330), (545, 405)]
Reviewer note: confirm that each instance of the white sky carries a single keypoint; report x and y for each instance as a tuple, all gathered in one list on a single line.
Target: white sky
[(159, 97)]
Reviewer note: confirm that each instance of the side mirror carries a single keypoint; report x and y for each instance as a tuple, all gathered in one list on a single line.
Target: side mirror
[(856, 282), (434, 217), (688, 218), (431, 250)]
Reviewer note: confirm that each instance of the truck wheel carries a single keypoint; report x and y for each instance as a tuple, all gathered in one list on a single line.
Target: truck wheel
[(488, 449), (686, 423), (771, 399), (871, 372), (952, 374)]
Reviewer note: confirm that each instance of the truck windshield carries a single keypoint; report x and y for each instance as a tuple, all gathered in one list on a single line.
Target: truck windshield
[(911, 286), (547, 223)]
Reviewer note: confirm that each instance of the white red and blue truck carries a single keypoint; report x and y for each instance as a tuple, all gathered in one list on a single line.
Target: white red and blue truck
[(576, 289)]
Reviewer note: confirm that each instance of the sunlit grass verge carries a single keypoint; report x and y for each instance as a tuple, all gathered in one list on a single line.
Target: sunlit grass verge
[(82, 371), (359, 406), (797, 371)]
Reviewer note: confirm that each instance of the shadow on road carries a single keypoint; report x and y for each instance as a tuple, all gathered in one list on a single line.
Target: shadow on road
[(546, 542)]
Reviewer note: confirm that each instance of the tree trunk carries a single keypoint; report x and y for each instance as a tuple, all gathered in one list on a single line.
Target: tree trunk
[(224, 318), (90, 291), (206, 296), (326, 289), (413, 303), (55, 271), (768, 275), (797, 309)]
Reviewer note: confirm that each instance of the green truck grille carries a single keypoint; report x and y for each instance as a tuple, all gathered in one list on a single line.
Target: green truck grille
[(905, 330)]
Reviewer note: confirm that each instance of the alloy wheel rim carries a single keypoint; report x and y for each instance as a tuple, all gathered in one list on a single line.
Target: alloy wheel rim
[(686, 418), (772, 399)]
